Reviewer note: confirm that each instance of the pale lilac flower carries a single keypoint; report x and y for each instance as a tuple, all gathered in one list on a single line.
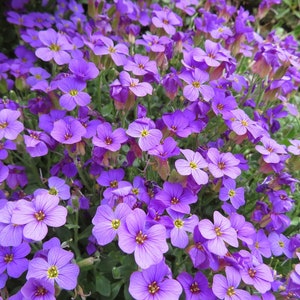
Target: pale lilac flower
[(83, 70), (295, 147), (56, 267), (223, 164), (38, 74), (9, 126), (196, 86), (218, 233), (154, 283), (229, 191), (36, 215), (38, 289), (261, 245), (167, 20), (147, 244), (280, 244), (56, 47), (141, 65), (270, 150)]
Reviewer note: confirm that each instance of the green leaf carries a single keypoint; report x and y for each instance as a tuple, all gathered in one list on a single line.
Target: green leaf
[(103, 285)]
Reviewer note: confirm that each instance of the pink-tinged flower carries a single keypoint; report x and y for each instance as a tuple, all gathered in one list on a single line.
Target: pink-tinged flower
[(192, 165), (141, 65), (148, 244), (218, 233), (12, 259), (195, 287), (195, 85), (243, 229), (107, 222), (235, 195), (260, 246), (118, 53), (36, 215), (56, 47), (258, 275), (280, 244), (226, 287), (270, 150), (108, 139), (295, 147), (167, 20), (144, 129), (154, 283), (38, 289), (181, 225), (73, 93), (9, 126), (68, 131), (56, 267)]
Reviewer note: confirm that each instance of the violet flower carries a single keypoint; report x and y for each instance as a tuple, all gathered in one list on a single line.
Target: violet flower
[(108, 139), (154, 283), (4, 146), (56, 267), (280, 244), (38, 289), (4, 172), (141, 65), (36, 215), (218, 233), (9, 126), (235, 195), (83, 70), (295, 147), (148, 244), (56, 47), (167, 148), (167, 20), (192, 166), (223, 164)]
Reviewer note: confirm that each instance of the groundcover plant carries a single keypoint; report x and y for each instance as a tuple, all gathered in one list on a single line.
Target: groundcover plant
[(149, 151)]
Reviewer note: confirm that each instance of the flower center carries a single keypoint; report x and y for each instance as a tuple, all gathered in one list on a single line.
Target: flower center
[(52, 272), (218, 231), (8, 258), (73, 93), (174, 127), (144, 133), (153, 288), (196, 84), (38, 76), (53, 191), (230, 291), (135, 191), (257, 245), (113, 184), (174, 200), (40, 216), (34, 136), (132, 84), (283, 197), (54, 47), (231, 193), (221, 165), (141, 66), (244, 123), (40, 291), (194, 288), (111, 49), (108, 140), (281, 244), (251, 272), (220, 106), (140, 238), (3, 125), (178, 223), (193, 165), (115, 223), (165, 21), (68, 136)]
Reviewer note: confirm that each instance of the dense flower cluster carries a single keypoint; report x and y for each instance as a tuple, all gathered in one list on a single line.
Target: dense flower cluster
[(145, 151)]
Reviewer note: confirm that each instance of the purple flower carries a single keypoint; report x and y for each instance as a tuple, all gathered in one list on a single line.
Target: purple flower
[(174, 196), (195, 85), (226, 287), (221, 104), (56, 47), (9, 126), (223, 164), (195, 288), (73, 94), (270, 150), (36, 215), (148, 244), (68, 131), (229, 191), (83, 70), (192, 166), (36, 143), (38, 289), (144, 129), (118, 53), (108, 139), (107, 222), (218, 233), (181, 225), (141, 65), (56, 267), (261, 245), (154, 283), (243, 229), (38, 75), (280, 244), (12, 259), (166, 19), (295, 147), (167, 148), (4, 172)]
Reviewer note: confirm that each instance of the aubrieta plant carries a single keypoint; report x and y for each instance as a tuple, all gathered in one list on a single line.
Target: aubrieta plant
[(148, 151)]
